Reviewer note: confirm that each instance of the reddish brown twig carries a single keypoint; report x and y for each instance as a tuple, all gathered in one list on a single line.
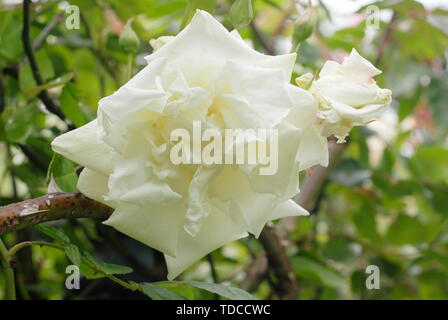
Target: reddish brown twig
[(256, 273), (387, 37), (53, 206), (278, 260)]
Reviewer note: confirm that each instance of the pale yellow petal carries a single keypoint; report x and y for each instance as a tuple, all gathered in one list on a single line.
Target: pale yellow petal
[(217, 230), (84, 146)]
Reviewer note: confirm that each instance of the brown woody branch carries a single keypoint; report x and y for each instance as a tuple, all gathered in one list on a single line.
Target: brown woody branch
[(53, 206), (272, 237), (257, 272), (278, 260)]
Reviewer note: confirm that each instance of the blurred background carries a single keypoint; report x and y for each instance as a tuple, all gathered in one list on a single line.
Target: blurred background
[(384, 202)]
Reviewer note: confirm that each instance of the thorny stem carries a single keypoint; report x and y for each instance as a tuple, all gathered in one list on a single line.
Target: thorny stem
[(13, 250), (17, 247), (53, 206), (280, 263)]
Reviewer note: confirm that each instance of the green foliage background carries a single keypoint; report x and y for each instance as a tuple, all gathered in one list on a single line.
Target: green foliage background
[(379, 207)]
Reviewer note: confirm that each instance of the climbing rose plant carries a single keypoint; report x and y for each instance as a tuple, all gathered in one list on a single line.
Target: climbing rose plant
[(210, 75)]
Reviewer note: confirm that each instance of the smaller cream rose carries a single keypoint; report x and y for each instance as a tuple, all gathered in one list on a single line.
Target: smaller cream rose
[(347, 95)]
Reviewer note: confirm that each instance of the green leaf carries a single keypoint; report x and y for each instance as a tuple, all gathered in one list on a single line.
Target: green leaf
[(438, 198), (357, 281), (273, 4), (365, 222), (350, 173), (339, 249), (182, 290), (406, 230), (408, 104), (73, 253), (429, 47), (347, 38), (107, 268), (19, 122), (156, 292), (404, 6), (63, 172), (313, 270), (70, 105), (437, 96), (430, 256), (429, 162), (59, 81), (241, 13), (52, 233), (10, 42), (222, 290), (26, 78)]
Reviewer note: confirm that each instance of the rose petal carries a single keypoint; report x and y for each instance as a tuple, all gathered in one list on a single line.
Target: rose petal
[(198, 199), (94, 185), (217, 230), (206, 37), (84, 146), (157, 226), (288, 209)]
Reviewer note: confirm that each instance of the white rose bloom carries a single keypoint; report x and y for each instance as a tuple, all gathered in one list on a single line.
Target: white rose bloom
[(208, 74), (348, 96)]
